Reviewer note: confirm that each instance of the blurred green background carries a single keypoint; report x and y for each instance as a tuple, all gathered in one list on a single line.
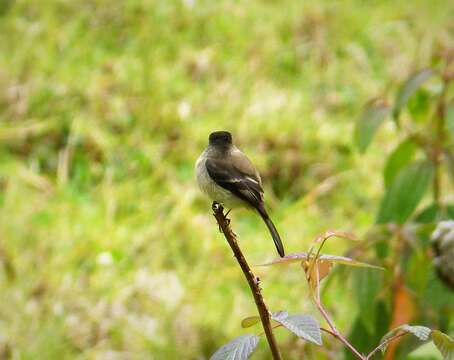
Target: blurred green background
[(109, 250)]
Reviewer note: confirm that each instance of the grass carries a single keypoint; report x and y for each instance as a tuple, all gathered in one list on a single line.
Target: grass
[(111, 249)]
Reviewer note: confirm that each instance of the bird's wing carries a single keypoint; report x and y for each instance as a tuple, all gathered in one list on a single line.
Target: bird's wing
[(244, 165), (246, 186)]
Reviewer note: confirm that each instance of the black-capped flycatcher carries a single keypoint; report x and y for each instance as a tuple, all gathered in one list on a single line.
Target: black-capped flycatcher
[(228, 177)]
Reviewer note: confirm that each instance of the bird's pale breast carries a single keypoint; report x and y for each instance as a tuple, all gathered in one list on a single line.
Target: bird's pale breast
[(213, 190)]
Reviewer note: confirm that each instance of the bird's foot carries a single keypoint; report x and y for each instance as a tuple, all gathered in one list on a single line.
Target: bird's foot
[(215, 206), (218, 207)]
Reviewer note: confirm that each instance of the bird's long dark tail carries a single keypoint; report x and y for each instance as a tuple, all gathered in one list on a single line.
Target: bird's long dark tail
[(272, 229)]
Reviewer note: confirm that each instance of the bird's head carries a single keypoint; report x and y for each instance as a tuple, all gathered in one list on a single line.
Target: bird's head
[(223, 138)]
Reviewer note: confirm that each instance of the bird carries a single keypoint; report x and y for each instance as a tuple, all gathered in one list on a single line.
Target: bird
[(228, 177)]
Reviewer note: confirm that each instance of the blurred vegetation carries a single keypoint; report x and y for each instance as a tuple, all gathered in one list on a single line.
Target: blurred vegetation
[(109, 251)]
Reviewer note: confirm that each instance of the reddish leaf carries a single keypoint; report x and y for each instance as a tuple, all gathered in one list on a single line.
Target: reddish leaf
[(333, 259)]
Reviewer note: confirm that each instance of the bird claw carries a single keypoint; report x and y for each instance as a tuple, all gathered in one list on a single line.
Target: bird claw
[(216, 207)]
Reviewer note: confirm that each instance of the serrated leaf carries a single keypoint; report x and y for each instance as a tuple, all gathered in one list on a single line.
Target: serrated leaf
[(409, 87), (399, 157), (334, 259), (450, 118), (372, 116), (303, 326), (239, 348), (444, 344), (421, 332), (250, 321), (279, 315), (405, 193)]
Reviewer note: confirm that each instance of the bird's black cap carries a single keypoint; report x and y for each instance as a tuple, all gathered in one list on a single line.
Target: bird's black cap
[(220, 138)]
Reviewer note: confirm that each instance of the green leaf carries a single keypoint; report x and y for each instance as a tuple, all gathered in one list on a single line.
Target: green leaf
[(401, 156), (255, 319), (409, 87), (417, 270), (5, 5), (250, 321), (450, 118), (303, 326), (444, 343), (436, 295), (373, 114), (367, 285), (405, 193), (419, 105), (239, 348), (421, 332), (378, 236), (427, 215), (427, 351), (450, 210)]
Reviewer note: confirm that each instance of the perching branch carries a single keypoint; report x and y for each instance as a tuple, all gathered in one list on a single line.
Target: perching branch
[(254, 282)]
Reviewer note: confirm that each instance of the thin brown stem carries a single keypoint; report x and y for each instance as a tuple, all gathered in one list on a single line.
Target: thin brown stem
[(253, 281), (386, 342), (330, 323), (336, 332), (328, 331)]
